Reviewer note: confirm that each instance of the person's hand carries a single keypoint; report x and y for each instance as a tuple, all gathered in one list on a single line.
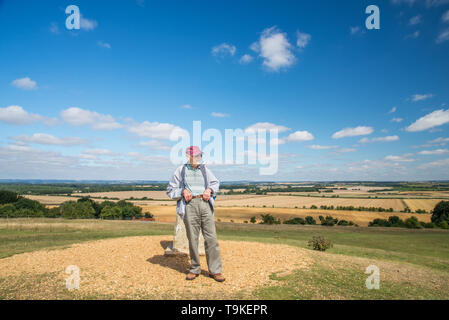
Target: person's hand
[(206, 194), (187, 195)]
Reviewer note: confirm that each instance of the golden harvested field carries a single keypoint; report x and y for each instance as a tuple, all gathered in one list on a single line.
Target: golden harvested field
[(298, 201), (240, 214), (425, 204), (258, 201), (126, 194)]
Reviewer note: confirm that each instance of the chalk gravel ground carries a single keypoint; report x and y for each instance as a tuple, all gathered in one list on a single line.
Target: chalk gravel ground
[(135, 267)]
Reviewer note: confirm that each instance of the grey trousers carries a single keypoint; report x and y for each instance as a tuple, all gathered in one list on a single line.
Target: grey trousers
[(198, 217)]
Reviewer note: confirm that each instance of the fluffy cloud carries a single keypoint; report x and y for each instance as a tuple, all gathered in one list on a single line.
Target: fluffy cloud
[(223, 49), (48, 139), (445, 17), (352, 132), (104, 44), (380, 139), (403, 158), (393, 110), (266, 126), (396, 120), (431, 120), (300, 136), (17, 115), (420, 97), (434, 152), (155, 145), (443, 36), (78, 117), (88, 24), (319, 147), (219, 115), (303, 39), (156, 130), (245, 59), (275, 49), (415, 20), (24, 84)]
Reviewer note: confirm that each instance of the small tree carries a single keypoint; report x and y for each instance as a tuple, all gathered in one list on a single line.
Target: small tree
[(253, 219), (441, 212)]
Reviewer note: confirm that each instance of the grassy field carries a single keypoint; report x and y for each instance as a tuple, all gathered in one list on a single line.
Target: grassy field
[(414, 264)]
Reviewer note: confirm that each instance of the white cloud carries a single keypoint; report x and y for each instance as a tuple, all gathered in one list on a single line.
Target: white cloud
[(434, 164), (266, 126), (319, 147), (156, 130), (104, 44), (352, 132), (413, 35), (224, 49), (440, 140), (24, 84), (186, 106), (434, 152), (398, 2), (393, 110), (17, 115), (343, 150), (445, 17), (275, 49), (100, 152), (88, 24), (433, 119), (303, 39), (48, 139), (354, 30), (54, 28), (219, 115), (300, 136), (403, 158), (155, 144), (397, 120), (245, 59), (436, 3), (78, 117), (379, 139), (443, 36), (420, 97), (415, 20)]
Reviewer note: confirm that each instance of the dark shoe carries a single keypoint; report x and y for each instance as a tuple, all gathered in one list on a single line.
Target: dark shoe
[(191, 276), (217, 277)]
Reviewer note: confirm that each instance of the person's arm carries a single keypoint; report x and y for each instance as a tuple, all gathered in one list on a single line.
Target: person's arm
[(214, 184), (174, 187)]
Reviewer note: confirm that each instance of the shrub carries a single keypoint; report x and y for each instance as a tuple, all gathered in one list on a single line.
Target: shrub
[(444, 225), (269, 219), (310, 220), (7, 211), (8, 197), (111, 213), (379, 223), (319, 243), (252, 220), (97, 207), (441, 212), (412, 223), (295, 221), (77, 210), (328, 221), (33, 205)]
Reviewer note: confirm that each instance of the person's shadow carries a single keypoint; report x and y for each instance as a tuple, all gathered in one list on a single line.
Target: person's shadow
[(180, 262)]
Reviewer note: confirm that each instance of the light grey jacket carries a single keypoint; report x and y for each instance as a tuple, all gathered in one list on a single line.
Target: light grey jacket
[(176, 188)]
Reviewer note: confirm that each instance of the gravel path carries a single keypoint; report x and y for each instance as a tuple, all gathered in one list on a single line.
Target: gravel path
[(135, 267)]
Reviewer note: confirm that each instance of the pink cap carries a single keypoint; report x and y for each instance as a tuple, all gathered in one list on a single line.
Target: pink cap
[(193, 151)]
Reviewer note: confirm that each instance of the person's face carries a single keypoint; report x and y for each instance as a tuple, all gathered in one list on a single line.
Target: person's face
[(195, 160)]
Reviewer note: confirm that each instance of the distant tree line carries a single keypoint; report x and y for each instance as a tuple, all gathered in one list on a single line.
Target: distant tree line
[(68, 188), (15, 206)]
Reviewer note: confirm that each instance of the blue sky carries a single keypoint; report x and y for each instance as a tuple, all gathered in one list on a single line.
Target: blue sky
[(101, 102)]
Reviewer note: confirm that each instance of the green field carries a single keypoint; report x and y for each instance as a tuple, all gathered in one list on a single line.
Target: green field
[(414, 264)]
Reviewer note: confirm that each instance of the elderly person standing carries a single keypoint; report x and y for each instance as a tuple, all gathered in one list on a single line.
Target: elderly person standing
[(194, 187)]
